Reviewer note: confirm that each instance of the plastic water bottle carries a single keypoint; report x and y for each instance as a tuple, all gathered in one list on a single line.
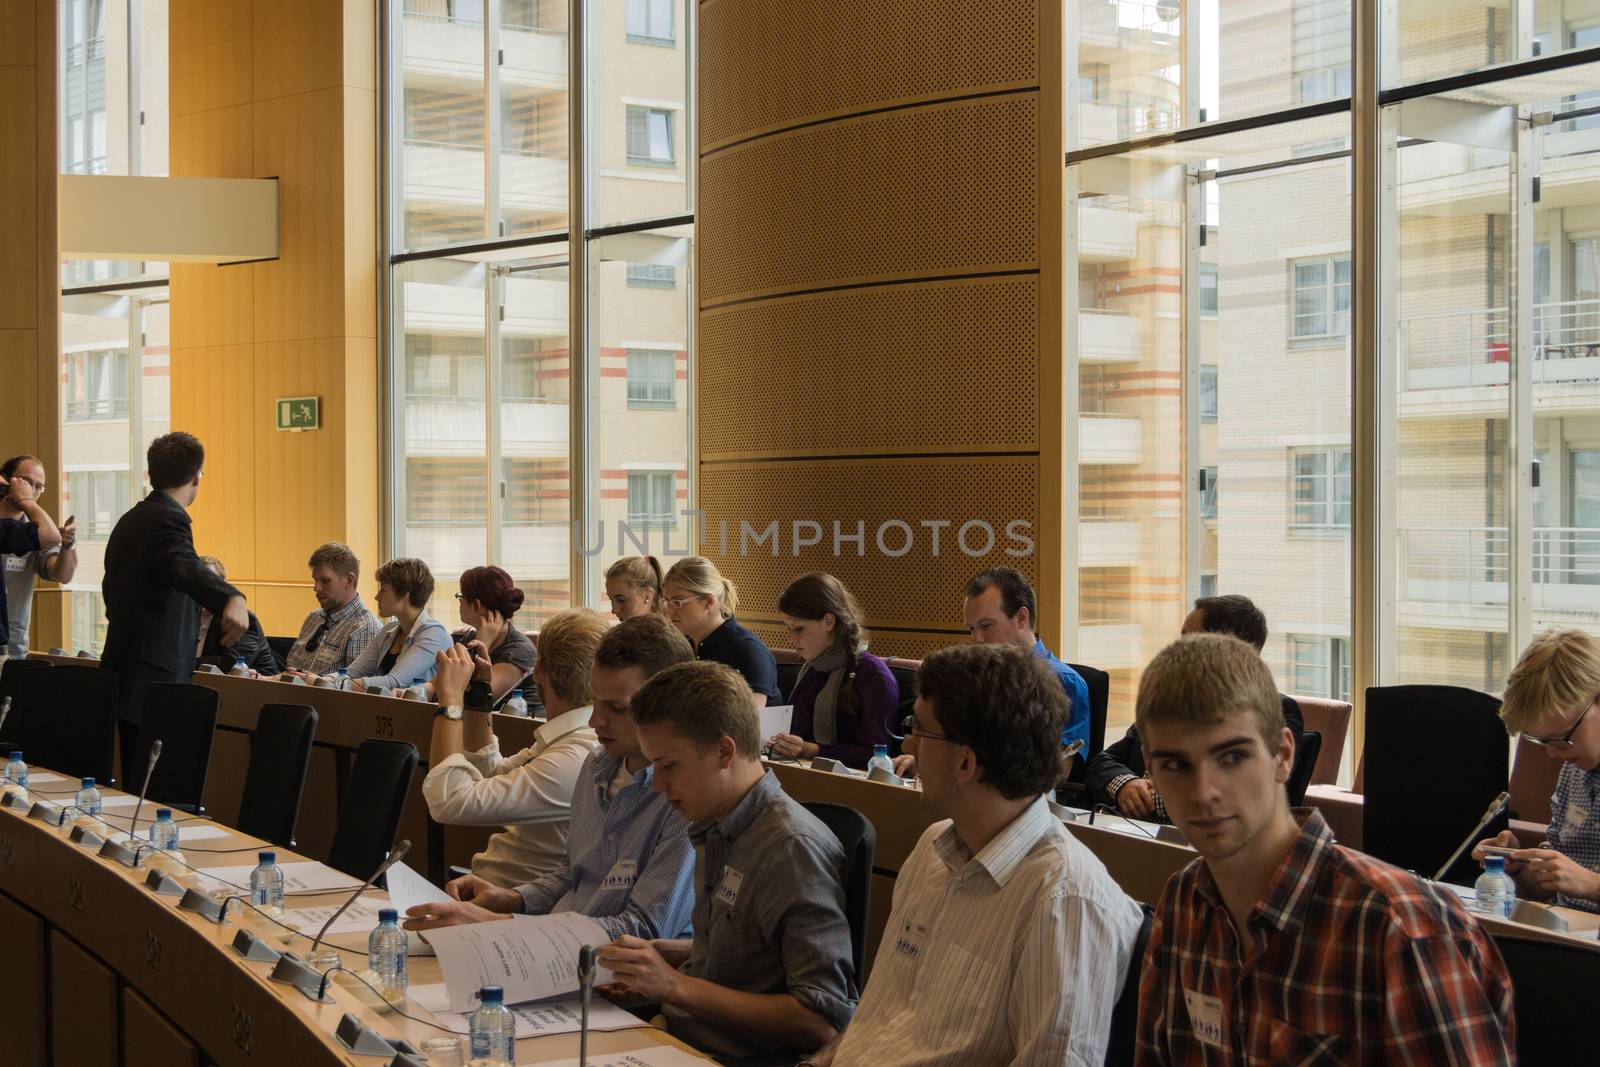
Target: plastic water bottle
[(492, 1030), (1496, 892), (517, 705), (88, 798), (164, 832), (880, 758), (16, 769), (386, 954), (266, 884), (341, 679), (240, 668)]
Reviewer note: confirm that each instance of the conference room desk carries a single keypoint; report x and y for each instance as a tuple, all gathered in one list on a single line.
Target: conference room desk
[(344, 720), (86, 944)]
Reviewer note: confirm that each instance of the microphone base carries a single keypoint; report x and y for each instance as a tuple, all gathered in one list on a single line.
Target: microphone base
[(255, 949), (164, 884), (46, 813), (202, 905), (293, 971), (362, 1040), (82, 835), (116, 850)]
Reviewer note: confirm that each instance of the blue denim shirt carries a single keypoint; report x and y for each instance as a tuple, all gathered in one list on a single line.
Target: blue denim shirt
[(1077, 728), (630, 865)]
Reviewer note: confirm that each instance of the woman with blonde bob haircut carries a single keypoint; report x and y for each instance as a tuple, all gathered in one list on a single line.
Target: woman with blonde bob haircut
[(1553, 699), (633, 586), (700, 603)]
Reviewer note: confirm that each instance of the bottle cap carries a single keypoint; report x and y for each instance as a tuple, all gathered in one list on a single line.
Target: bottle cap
[(16, 753), (1495, 863), (267, 857), (491, 994), (163, 813), (388, 915), (88, 783)]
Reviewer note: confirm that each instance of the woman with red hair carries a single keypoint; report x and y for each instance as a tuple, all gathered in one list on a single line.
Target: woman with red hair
[(489, 602)]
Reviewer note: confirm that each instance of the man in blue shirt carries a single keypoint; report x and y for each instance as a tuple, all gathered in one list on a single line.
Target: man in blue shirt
[(630, 864), (998, 608)]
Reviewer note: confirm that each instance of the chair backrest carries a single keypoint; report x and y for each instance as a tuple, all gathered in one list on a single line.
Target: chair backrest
[(1415, 821), (65, 718), (280, 648), (184, 718), (1551, 985), (1305, 758), (859, 841), (280, 751), (374, 798), (1099, 683), (1331, 719), (10, 680), (1125, 1013), (905, 677), (789, 663), (1533, 780)]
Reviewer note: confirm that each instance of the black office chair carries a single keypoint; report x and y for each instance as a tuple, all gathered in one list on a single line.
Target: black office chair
[(859, 841), (788, 674), (1099, 683), (1125, 1014), (1415, 821), (905, 676), (280, 648), (374, 798), (1551, 985), (183, 718), (10, 678), (1305, 761), (65, 718), (280, 750)]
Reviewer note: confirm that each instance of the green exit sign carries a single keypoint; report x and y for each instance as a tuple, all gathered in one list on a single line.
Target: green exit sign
[(299, 413)]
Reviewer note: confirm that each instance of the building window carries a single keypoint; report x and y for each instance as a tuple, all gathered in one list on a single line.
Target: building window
[(650, 21), (650, 136), (1208, 492), (651, 496), (441, 118), (97, 385), (445, 491), (652, 276), (444, 367), (1321, 298), (1208, 393), (1321, 488), (1319, 667), (1208, 584), (88, 622), (1208, 290), (98, 499), (652, 378)]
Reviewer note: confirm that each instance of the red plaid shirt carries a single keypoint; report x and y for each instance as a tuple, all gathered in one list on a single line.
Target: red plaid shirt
[(1351, 961)]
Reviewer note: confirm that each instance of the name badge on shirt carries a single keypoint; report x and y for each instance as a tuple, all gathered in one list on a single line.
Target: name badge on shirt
[(622, 875), (1577, 815), (728, 887), (1205, 1017), (909, 941), (16, 564)]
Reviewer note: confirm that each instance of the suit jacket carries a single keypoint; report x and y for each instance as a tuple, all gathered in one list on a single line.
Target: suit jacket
[(252, 646), (153, 580)]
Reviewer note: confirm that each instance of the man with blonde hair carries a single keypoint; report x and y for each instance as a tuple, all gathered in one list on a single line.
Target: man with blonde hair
[(1278, 945), (529, 793), (1553, 699)]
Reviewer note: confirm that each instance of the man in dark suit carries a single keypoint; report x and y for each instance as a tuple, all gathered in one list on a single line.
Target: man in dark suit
[(153, 580)]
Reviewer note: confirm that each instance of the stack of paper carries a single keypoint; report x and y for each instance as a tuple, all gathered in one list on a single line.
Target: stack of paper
[(536, 1019), (531, 957)]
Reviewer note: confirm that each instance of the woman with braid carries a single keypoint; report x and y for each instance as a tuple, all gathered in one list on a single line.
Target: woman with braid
[(633, 587), (845, 697)]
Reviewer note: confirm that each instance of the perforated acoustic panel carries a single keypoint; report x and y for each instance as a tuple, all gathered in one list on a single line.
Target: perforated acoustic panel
[(928, 367), (940, 190), (912, 588), (911, 644), (845, 56)]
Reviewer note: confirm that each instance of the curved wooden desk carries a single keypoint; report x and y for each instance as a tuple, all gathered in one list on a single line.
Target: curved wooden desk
[(101, 971)]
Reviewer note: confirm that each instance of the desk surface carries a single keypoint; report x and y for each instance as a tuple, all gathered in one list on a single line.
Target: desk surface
[(196, 978)]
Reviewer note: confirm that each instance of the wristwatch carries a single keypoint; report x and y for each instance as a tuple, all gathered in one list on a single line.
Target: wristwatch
[(449, 711)]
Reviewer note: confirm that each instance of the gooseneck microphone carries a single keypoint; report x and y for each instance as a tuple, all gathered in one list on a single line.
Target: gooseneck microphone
[(5, 709), (585, 988), (149, 768), (395, 856), (1496, 806)]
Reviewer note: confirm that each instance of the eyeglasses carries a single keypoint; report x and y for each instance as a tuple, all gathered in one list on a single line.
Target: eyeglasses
[(910, 729), (460, 596), (1564, 742), (676, 602)]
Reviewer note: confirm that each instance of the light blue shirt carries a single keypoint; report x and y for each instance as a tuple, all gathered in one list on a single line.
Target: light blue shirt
[(1077, 728), (419, 656), (630, 864)]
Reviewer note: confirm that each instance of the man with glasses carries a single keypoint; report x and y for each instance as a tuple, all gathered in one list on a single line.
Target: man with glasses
[(1551, 699), (31, 547), (342, 626), (1008, 941)]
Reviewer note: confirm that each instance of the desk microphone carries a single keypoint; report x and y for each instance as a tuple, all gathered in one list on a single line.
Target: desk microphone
[(1496, 806), (585, 988), (395, 856), (5, 709), (149, 768)]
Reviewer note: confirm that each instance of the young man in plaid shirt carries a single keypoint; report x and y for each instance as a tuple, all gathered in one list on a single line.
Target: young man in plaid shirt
[(1278, 945)]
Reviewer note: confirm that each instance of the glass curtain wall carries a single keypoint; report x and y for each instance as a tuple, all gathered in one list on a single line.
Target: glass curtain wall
[(488, 379), (114, 337), (1212, 335)]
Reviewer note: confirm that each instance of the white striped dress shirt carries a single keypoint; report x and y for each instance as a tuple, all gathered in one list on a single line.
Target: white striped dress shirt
[(1013, 956)]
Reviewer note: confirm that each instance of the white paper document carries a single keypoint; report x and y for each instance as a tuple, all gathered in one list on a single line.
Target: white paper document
[(186, 834), (407, 889), (359, 917), (537, 1019), (532, 957), (775, 721), (305, 876), (123, 800), (43, 778), (658, 1056)]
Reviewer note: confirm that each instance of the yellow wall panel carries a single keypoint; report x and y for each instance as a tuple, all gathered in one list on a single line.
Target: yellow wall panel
[(19, 206), (361, 250), (300, 140), (363, 465), (18, 25), (211, 398), (214, 144), (298, 46), (305, 491), (209, 55)]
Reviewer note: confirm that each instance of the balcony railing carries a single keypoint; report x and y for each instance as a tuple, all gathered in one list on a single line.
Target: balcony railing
[(1472, 347), (1470, 565)]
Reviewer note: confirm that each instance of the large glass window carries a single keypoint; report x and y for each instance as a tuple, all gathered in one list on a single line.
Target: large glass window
[(1321, 298), (1321, 496)]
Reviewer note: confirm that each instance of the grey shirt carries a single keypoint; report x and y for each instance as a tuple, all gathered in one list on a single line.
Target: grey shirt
[(20, 572), (768, 915)]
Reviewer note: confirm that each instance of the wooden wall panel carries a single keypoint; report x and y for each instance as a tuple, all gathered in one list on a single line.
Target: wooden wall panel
[(19, 207), (297, 46), (83, 1007), (150, 1040), (23, 1010), (209, 55)]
